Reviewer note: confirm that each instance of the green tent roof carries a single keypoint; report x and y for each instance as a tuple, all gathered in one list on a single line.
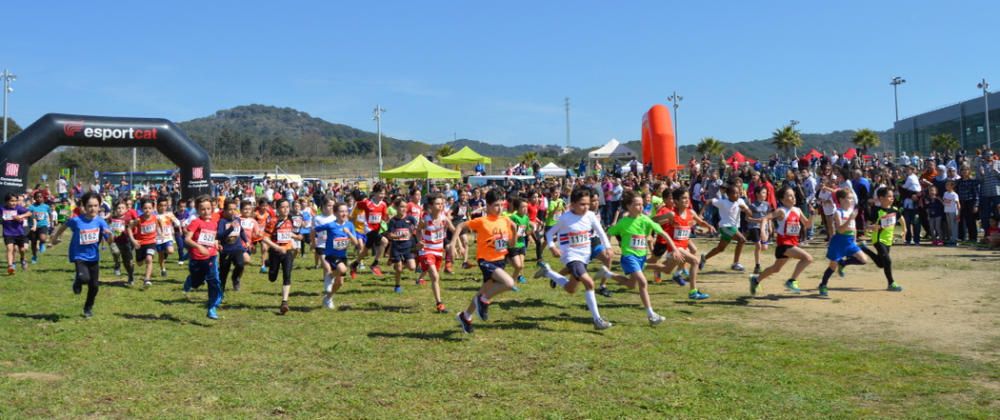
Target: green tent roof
[(420, 168), (466, 155)]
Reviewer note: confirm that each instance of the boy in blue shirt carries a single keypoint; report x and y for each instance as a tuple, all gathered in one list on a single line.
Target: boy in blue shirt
[(39, 226), (84, 249), (340, 235)]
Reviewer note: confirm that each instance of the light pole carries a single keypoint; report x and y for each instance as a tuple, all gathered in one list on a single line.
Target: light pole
[(377, 116), (795, 149), (986, 102), (566, 150), (676, 100), (895, 82), (7, 77)]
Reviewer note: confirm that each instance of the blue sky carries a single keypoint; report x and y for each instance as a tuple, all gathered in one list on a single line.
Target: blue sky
[(499, 71)]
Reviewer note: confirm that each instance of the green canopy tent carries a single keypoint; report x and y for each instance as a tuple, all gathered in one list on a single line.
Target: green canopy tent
[(420, 168), (466, 155)]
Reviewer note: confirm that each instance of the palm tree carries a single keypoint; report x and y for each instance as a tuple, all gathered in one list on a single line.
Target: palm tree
[(710, 146), (786, 138), (866, 138), (444, 150), (529, 157), (944, 142)]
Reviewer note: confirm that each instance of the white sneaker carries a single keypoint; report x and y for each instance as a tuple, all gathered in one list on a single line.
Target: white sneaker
[(656, 319), (738, 267), (601, 324), (328, 302)]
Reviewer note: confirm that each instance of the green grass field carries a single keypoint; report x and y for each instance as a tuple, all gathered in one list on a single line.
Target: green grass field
[(380, 354)]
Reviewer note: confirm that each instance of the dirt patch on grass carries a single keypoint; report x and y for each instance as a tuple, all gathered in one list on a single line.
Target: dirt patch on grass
[(950, 302), (36, 376)]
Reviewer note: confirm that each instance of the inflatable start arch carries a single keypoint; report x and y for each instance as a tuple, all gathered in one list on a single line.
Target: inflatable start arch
[(659, 147), (55, 130)]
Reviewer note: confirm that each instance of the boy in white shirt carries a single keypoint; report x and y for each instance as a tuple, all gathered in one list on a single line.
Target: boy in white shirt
[(729, 225), (951, 209)]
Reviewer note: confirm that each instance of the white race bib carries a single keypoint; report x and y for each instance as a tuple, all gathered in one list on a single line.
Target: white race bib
[(147, 228), (682, 233), (578, 239), (401, 234), (284, 237), (375, 218), (9, 214), (888, 220), (638, 242), (341, 243), (793, 229), (117, 226), (206, 237), (500, 244), (90, 236)]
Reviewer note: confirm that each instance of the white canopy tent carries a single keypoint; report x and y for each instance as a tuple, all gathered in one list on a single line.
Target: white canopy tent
[(613, 150), (552, 170)]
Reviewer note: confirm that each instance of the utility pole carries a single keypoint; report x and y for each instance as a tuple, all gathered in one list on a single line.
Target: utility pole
[(378, 124), (7, 77), (895, 82), (676, 100), (567, 126), (986, 102)]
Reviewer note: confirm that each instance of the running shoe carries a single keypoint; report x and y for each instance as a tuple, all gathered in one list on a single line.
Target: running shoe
[(88, 313), (449, 267), (328, 302), (284, 307), (754, 284), (792, 286), (603, 291), (894, 287), (377, 270), (656, 277), (701, 264), (521, 279), (684, 273), (130, 283), (212, 314), (656, 319), (421, 282), (824, 291), (543, 268), (601, 324), (466, 265), (118, 272), (679, 280), (77, 287), (482, 308), (41, 248), (24, 265), (464, 323), (236, 287), (756, 269), (354, 270), (34, 260), (738, 267), (697, 295), (263, 270), (441, 309), (163, 272), (515, 289), (181, 262), (398, 289), (147, 283)]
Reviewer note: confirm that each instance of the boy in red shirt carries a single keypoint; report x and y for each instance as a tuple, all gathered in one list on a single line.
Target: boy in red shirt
[(200, 237)]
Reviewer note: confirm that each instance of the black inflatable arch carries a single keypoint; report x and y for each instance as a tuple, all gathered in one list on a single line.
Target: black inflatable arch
[(55, 130)]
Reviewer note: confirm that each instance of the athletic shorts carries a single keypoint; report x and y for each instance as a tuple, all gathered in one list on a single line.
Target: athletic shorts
[(513, 252), (18, 241), (36, 234), (430, 260), (577, 268), (333, 260), (320, 251), (632, 263), (372, 238), (753, 235), (659, 249), (595, 251), (779, 251), (163, 247), (841, 246), (143, 251), (488, 267), (726, 233), (400, 253)]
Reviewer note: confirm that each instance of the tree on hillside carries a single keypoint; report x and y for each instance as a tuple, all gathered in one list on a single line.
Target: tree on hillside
[(786, 138), (280, 147), (444, 150), (12, 128), (529, 157), (944, 143), (866, 139), (710, 146)]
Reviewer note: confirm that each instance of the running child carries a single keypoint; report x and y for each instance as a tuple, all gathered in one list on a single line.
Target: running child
[(757, 232), (572, 230), (84, 248), (40, 226), (203, 246), (401, 229), (842, 250), (516, 253), (264, 215), (122, 245), (682, 221), (254, 231), (166, 222), (790, 223), (142, 234), (14, 215), (433, 229), (338, 235), (376, 211), (494, 233), (279, 234), (318, 237), (884, 218), (729, 225), (361, 227), (233, 240)]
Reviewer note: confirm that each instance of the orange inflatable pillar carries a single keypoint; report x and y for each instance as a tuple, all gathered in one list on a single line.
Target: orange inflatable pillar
[(662, 143), (647, 144)]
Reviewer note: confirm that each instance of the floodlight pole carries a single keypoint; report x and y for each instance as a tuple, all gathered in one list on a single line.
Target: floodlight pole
[(676, 100), (986, 102), (567, 125), (7, 77), (895, 82), (377, 116)]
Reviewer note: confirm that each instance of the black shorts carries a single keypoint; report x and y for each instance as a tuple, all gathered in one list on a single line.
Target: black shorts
[(334, 260), (488, 267), (779, 251), (320, 251), (400, 253), (143, 251), (659, 249), (513, 252), (36, 235), (577, 269), (753, 235), (373, 238), (18, 241)]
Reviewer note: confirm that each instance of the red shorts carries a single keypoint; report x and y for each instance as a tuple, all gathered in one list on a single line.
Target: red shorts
[(426, 261)]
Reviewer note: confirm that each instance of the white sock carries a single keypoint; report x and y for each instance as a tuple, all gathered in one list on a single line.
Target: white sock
[(650, 312), (328, 283), (592, 303), (607, 272), (560, 279)]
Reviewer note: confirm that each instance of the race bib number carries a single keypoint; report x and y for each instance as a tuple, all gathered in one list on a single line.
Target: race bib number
[(90, 236), (341, 243), (206, 238), (117, 226), (235, 232), (520, 231), (638, 241), (500, 244), (321, 237), (401, 234), (375, 218), (888, 221), (793, 229), (438, 235), (9, 214), (246, 224), (167, 232), (284, 236), (579, 239), (682, 233), (41, 215), (147, 228)]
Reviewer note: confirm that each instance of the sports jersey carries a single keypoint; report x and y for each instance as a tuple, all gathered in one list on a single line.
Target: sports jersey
[(522, 223), (375, 214), (789, 227), (633, 232), (320, 220), (86, 240), (359, 220), (573, 231), (400, 231), (165, 228), (231, 234), (62, 213), (40, 213), (493, 236), (204, 233), (118, 225), (729, 211), (280, 232), (307, 222), (759, 210), (554, 211), (145, 230), (459, 212), (665, 225), (432, 236), (414, 210), (885, 224), (11, 226), (681, 226), (337, 240)]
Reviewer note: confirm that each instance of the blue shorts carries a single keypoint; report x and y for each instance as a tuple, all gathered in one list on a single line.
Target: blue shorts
[(841, 246), (595, 251), (488, 267), (163, 247), (632, 263)]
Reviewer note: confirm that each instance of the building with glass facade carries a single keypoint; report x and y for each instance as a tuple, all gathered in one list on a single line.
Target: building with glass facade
[(965, 121)]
